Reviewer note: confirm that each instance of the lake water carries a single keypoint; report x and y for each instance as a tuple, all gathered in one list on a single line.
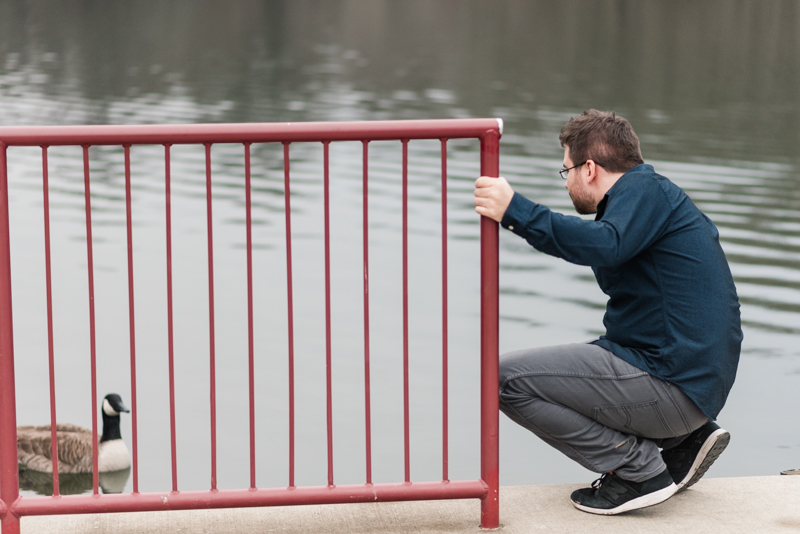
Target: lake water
[(711, 88)]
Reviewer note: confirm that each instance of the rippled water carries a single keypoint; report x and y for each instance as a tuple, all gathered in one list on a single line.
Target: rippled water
[(729, 142)]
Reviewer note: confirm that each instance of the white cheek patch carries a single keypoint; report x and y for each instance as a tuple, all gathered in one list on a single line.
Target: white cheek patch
[(108, 410)]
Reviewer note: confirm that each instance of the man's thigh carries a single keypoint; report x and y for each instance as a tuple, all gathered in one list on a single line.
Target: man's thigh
[(594, 382)]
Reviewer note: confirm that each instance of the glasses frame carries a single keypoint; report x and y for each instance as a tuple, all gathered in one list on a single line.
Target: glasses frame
[(564, 173)]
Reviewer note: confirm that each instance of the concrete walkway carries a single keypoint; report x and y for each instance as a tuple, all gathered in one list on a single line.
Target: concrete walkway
[(749, 505)]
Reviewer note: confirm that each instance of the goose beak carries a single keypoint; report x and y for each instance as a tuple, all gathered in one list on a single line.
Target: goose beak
[(116, 404)]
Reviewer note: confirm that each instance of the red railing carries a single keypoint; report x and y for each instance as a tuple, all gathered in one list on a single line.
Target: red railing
[(488, 131)]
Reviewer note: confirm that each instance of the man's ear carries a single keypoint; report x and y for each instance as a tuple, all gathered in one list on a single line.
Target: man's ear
[(591, 166)]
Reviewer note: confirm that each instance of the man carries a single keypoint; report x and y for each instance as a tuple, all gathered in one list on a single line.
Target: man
[(661, 374)]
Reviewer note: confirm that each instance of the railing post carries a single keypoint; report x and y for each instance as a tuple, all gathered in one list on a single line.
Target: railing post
[(490, 352), (9, 475)]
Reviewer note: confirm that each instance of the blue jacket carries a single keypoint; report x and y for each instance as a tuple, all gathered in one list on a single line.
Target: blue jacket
[(672, 308)]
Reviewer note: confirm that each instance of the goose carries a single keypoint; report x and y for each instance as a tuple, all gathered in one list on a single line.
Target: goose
[(75, 444)]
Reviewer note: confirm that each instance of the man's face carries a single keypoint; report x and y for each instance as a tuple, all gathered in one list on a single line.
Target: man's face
[(581, 197)]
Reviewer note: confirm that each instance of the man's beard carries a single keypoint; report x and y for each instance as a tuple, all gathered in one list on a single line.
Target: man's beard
[(583, 201)]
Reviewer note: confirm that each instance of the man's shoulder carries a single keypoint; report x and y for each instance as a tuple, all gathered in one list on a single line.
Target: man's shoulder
[(644, 179), (644, 174)]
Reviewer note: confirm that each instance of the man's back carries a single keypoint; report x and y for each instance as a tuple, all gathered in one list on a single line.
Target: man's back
[(672, 308)]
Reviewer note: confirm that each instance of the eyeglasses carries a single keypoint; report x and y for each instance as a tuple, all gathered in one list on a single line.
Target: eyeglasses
[(565, 172)]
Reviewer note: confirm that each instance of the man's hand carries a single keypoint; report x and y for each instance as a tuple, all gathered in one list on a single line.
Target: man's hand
[(492, 197)]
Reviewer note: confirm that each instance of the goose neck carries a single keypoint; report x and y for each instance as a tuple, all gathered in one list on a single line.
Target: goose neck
[(110, 427)]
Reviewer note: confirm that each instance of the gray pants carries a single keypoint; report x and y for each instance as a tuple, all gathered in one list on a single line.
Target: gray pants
[(596, 408)]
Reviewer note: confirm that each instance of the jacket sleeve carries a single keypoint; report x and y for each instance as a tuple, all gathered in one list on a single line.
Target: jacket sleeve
[(634, 218)]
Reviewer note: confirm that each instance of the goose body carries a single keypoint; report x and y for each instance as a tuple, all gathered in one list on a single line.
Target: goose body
[(34, 451)]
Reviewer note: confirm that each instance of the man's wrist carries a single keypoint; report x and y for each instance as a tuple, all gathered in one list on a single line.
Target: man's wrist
[(517, 212)]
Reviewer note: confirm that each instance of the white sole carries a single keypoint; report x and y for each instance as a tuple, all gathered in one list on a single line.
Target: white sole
[(644, 501), (713, 445)]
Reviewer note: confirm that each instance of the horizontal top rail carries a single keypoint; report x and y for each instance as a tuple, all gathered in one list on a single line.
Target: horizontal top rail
[(156, 134)]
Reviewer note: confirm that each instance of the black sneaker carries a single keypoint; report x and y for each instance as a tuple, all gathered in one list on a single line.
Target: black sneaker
[(611, 494), (689, 461)]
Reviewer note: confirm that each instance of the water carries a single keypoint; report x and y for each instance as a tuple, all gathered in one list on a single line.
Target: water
[(711, 89)]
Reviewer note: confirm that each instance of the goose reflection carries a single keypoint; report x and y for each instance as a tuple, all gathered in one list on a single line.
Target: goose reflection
[(72, 483)]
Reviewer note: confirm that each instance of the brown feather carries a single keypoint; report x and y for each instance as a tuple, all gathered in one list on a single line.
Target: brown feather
[(34, 449)]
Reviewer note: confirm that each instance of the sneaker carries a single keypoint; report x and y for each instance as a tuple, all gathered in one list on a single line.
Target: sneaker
[(611, 494), (689, 461)]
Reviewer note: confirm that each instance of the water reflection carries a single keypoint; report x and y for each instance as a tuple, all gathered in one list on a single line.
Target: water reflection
[(708, 86), (688, 76), (72, 483)]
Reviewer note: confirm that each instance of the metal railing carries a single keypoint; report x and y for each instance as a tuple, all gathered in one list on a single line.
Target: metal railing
[(488, 131)]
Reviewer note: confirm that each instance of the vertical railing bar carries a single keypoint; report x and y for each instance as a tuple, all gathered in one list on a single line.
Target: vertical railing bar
[(490, 329), (9, 470), (170, 338), (250, 345), (211, 331), (367, 416), (134, 412), (406, 430), (92, 333), (445, 437), (328, 360), (288, 209), (50, 344)]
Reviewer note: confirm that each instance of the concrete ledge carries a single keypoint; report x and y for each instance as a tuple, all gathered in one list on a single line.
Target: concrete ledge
[(732, 505)]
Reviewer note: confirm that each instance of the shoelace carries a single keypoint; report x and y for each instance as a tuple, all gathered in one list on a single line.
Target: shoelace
[(609, 485), (600, 481)]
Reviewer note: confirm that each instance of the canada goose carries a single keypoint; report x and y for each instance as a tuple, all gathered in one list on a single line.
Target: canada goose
[(75, 444)]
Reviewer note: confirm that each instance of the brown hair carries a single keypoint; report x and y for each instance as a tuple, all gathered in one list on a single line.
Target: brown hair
[(604, 137)]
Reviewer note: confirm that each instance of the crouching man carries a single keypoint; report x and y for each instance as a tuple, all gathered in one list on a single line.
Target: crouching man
[(638, 404)]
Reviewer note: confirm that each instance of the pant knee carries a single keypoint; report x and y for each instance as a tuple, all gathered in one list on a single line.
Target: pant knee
[(504, 378), (511, 392), (506, 371)]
